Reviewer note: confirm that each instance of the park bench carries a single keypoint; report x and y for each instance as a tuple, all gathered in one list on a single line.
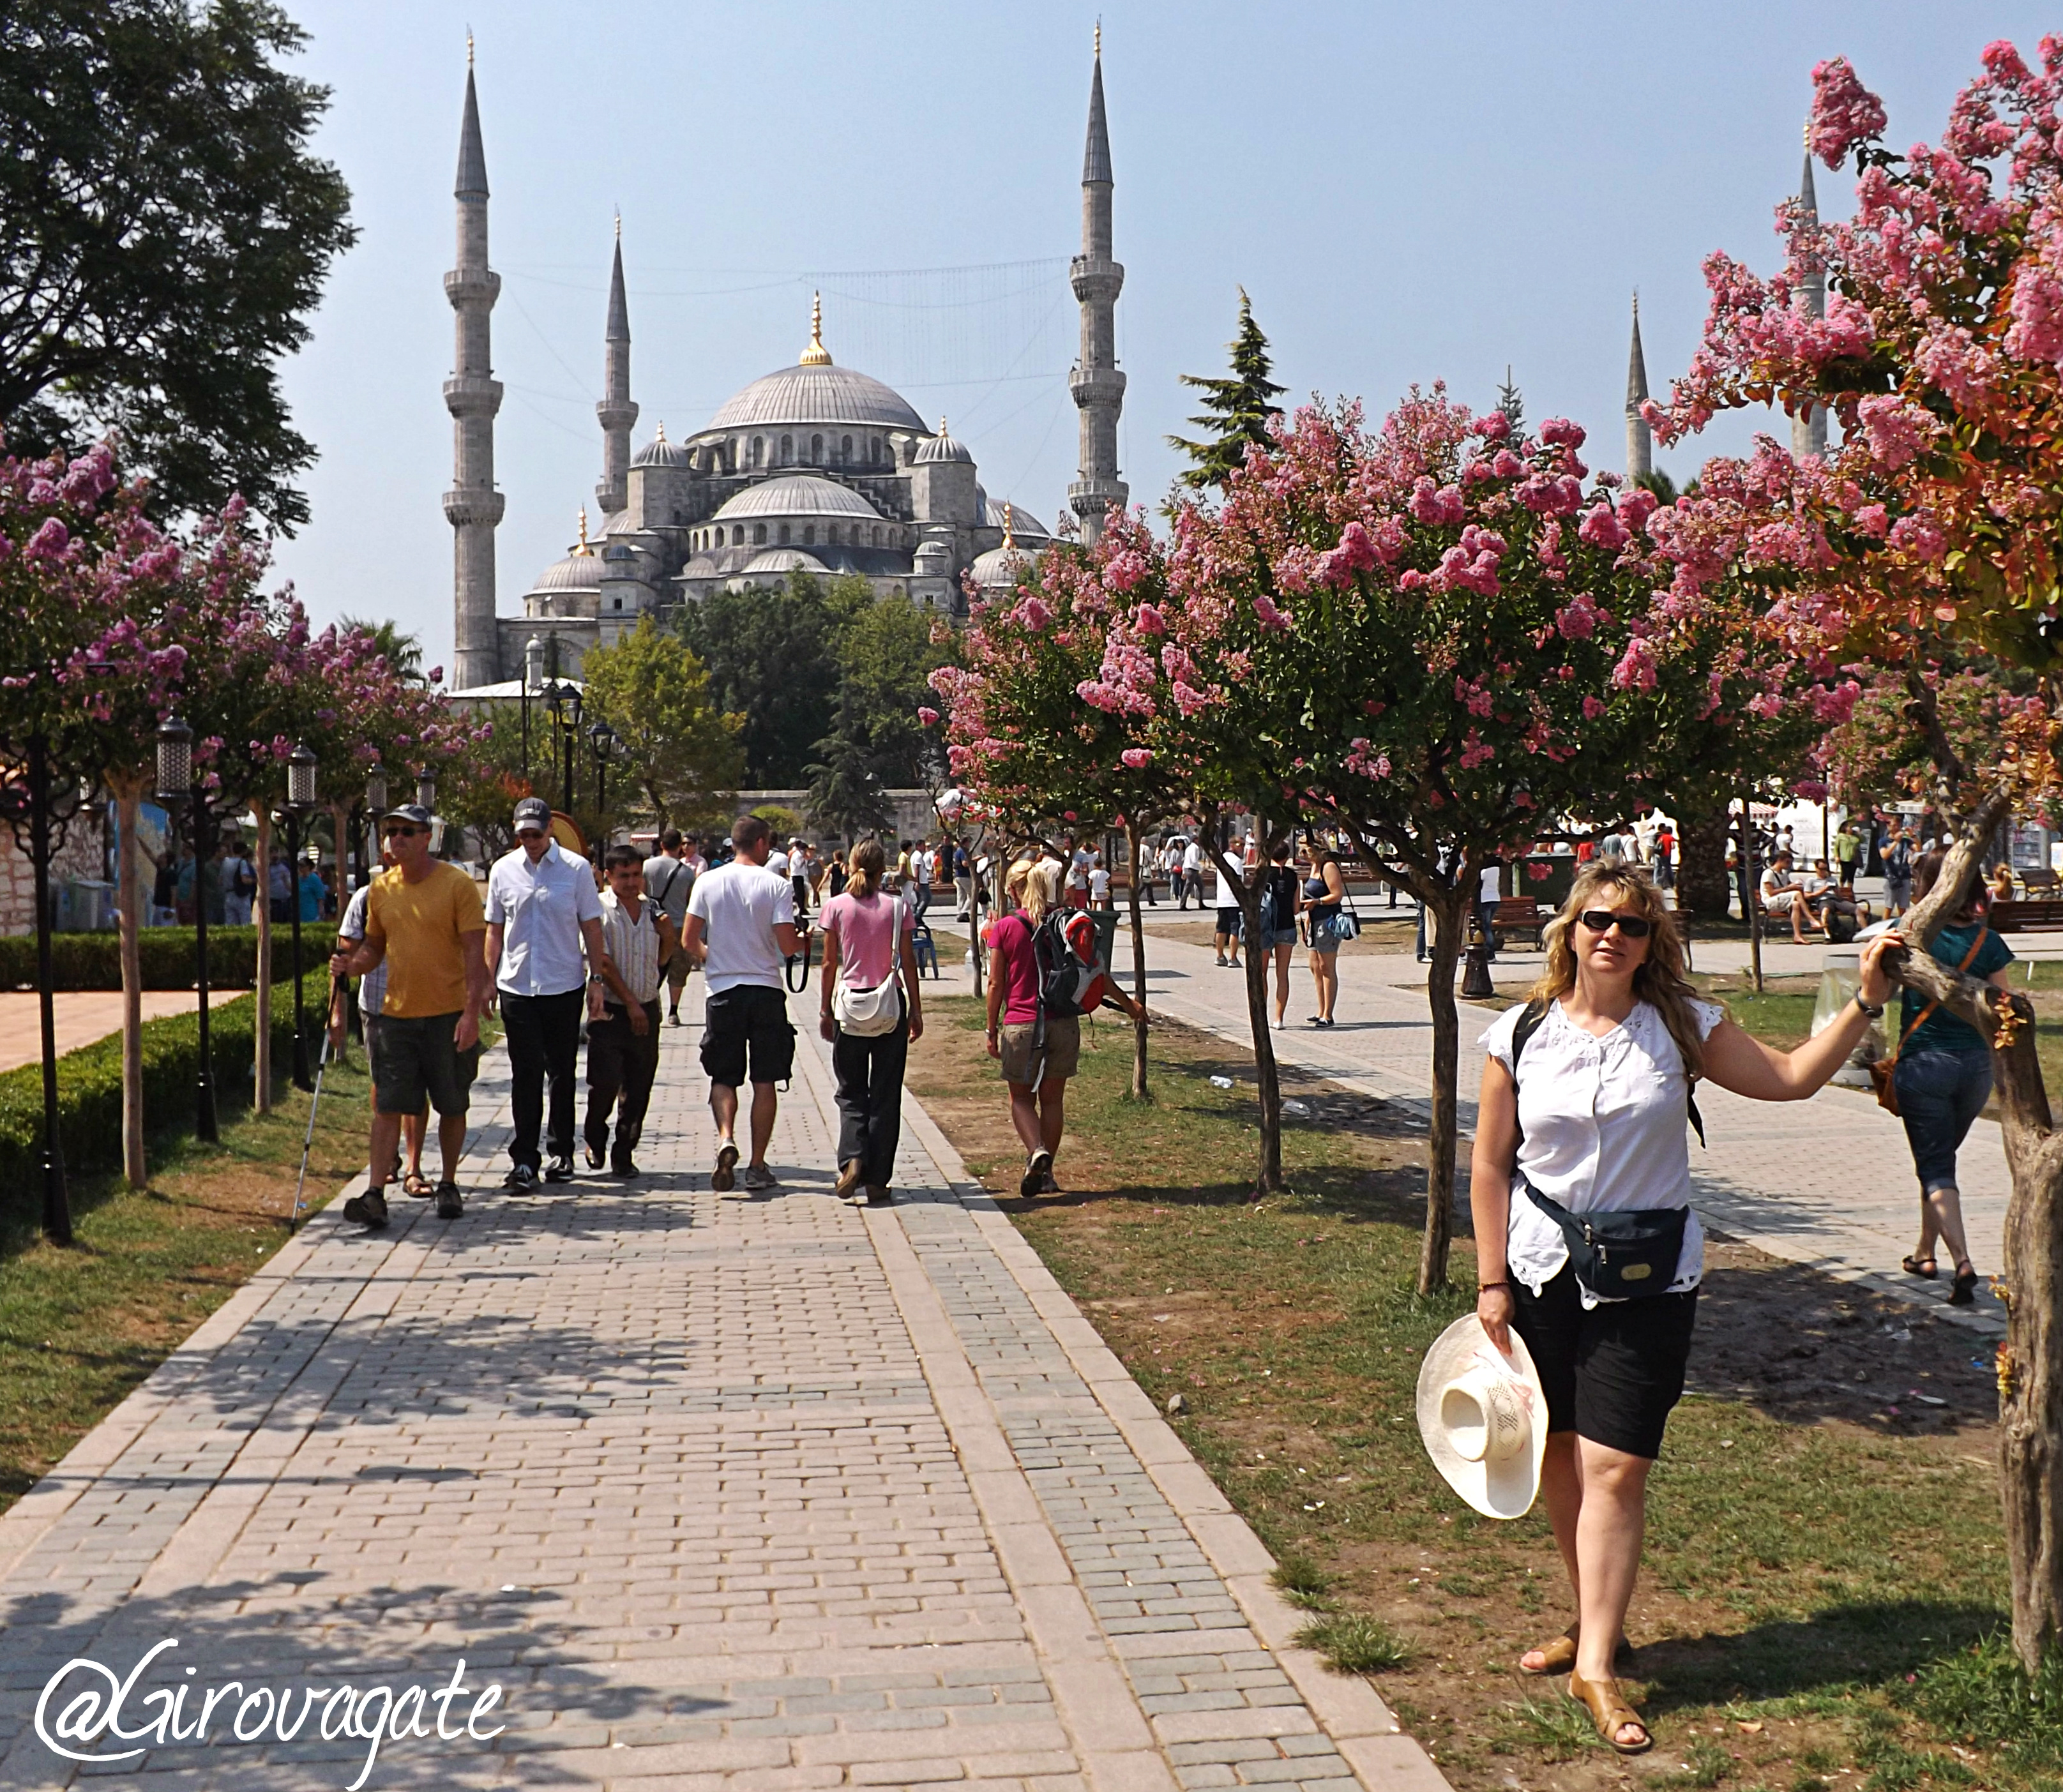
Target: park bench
[(1519, 914), (2038, 880), (2035, 915)]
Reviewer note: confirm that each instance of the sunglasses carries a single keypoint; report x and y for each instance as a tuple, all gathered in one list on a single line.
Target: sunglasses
[(401, 830), (1603, 921)]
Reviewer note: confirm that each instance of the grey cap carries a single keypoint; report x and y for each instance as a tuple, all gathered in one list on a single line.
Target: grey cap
[(411, 812), (533, 812)]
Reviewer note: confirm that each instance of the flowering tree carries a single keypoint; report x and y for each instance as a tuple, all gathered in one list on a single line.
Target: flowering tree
[(1934, 530), (1434, 638)]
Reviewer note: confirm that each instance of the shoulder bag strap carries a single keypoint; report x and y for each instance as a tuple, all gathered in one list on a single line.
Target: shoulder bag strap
[(1920, 1020)]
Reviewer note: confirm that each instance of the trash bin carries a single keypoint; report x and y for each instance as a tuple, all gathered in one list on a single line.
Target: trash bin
[(1841, 976), (85, 905)]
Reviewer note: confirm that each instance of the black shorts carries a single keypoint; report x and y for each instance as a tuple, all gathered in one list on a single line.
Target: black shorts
[(416, 1060), (1231, 921), (748, 1021), (1612, 1374)]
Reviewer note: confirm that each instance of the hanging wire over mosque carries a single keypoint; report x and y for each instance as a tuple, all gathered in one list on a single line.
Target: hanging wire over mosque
[(814, 468)]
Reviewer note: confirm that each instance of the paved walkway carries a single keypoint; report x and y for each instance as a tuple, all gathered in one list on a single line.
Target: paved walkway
[(1826, 1182), (83, 1016), (733, 1495)]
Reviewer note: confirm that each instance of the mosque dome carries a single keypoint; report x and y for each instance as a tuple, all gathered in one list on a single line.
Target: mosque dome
[(660, 452), (1020, 522), (783, 560), (796, 495), (997, 570), (941, 447), (580, 571), (814, 391)]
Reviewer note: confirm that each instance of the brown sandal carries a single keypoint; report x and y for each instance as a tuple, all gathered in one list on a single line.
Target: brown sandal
[(1559, 1655), (1610, 1713), (418, 1185)]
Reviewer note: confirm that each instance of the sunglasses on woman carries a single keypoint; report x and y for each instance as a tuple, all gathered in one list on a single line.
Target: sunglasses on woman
[(1603, 921)]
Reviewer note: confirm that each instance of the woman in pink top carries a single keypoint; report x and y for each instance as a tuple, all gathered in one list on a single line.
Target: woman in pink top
[(868, 940)]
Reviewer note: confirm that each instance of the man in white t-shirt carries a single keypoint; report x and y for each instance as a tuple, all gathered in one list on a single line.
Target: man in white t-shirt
[(1193, 875), (1231, 921), (741, 928)]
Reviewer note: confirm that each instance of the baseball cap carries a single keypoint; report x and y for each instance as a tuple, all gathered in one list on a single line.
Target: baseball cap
[(533, 812), (411, 812)]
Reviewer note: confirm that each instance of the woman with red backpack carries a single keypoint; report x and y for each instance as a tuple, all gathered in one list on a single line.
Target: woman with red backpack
[(1041, 981)]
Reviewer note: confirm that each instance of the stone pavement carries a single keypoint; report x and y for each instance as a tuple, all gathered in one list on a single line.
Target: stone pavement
[(719, 1494), (85, 1015)]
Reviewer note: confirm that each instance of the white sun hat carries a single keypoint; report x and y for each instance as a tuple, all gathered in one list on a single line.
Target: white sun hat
[(1484, 1418)]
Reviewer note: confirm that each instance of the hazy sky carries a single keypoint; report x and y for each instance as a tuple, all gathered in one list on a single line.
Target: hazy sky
[(1407, 193)]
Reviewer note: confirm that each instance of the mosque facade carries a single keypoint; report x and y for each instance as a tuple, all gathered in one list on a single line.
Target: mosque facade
[(814, 468)]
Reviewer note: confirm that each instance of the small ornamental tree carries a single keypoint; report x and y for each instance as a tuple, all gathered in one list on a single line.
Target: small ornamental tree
[(1036, 733), (1934, 530), (679, 751), (1433, 638)]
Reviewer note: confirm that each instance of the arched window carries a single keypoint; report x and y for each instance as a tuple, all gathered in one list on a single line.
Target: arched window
[(809, 535), (758, 535), (759, 449), (877, 535), (784, 535), (738, 534), (816, 450), (873, 450), (845, 448), (788, 449)]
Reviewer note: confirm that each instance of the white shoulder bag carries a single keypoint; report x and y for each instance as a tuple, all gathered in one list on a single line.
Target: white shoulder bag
[(868, 1014)]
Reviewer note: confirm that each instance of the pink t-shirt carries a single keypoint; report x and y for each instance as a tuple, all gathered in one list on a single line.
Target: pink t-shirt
[(865, 927), (1014, 966)]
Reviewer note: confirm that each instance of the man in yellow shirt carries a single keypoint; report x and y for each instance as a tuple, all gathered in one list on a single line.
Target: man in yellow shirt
[(425, 922)]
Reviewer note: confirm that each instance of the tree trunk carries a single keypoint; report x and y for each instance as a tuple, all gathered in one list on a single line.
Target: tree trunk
[(261, 907), (1446, 911), (1139, 1091), (1701, 878), (128, 918), (1269, 1179)]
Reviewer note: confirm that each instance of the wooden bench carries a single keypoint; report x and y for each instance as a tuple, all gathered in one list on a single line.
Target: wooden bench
[(1519, 914), (2039, 915), (2038, 880)]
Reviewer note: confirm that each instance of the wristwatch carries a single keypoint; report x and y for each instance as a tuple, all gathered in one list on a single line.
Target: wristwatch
[(1874, 1014)]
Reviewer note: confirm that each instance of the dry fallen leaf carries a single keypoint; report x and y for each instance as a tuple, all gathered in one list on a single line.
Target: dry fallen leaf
[(1753, 1729)]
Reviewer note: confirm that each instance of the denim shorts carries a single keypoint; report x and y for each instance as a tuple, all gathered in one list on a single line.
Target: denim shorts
[(1940, 1093)]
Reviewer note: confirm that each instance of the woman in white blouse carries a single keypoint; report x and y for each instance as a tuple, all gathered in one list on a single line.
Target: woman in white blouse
[(1608, 1049)]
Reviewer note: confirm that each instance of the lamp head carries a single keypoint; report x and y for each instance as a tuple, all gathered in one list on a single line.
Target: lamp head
[(175, 761), (301, 764)]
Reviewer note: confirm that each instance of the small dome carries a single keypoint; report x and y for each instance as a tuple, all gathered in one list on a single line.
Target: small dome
[(1022, 523), (997, 570), (941, 447), (783, 560), (797, 495), (577, 571), (660, 452)]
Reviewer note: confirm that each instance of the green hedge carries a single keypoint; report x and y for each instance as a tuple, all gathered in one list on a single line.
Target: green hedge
[(90, 1093), (94, 961)]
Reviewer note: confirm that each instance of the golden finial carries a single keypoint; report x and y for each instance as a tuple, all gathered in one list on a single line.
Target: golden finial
[(581, 546), (1098, 40), (942, 426), (662, 434), (816, 355), (619, 223), (1009, 523), (468, 49)]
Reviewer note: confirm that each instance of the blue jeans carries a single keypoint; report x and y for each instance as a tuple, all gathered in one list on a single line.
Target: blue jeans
[(1940, 1093)]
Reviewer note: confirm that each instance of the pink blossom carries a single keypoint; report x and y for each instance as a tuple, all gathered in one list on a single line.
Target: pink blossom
[(1475, 751), (1506, 464), (1268, 617), (1844, 112), (1577, 619), (1123, 571), (1493, 426), (1918, 537), (1870, 520), (1896, 430), (1601, 528), (926, 716), (1562, 433), (1137, 758), (1593, 707), (49, 541), (1033, 611), (1437, 504), (1150, 622)]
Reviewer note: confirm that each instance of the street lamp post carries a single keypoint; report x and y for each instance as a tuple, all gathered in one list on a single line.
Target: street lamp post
[(175, 785), (376, 807), (564, 701), (300, 799), (603, 739), (533, 679)]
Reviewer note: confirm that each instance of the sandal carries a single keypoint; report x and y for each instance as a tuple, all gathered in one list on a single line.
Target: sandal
[(1963, 1290), (1925, 1268), (418, 1185), (1610, 1713), (1557, 1657)]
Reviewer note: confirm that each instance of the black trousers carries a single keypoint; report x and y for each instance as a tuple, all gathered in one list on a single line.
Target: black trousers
[(544, 1041), (620, 1064), (870, 1099)]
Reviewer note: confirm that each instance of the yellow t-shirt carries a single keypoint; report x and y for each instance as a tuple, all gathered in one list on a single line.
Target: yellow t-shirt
[(424, 925)]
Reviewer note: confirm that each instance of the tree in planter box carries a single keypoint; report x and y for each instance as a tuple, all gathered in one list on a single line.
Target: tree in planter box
[(1934, 532)]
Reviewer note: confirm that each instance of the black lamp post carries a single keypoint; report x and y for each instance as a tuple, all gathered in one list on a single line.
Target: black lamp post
[(300, 799), (426, 797), (563, 699), (175, 785), (375, 810), (602, 737)]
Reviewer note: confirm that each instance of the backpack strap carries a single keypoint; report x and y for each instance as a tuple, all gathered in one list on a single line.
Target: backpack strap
[(1920, 1020)]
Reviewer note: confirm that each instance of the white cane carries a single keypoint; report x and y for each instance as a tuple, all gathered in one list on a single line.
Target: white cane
[(308, 1143)]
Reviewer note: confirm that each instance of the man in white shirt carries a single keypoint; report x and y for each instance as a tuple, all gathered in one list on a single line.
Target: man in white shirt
[(623, 1011), (668, 879), (541, 907), (1231, 927), (1193, 875), (742, 927), (1784, 899)]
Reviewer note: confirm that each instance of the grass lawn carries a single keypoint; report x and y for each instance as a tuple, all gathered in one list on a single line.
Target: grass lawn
[(1824, 1549), (80, 1326)]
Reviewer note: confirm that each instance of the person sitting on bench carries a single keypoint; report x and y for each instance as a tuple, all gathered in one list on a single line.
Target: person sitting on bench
[(1784, 899)]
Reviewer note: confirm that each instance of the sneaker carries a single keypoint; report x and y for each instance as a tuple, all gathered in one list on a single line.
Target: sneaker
[(1047, 1185), (758, 1176), (721, 1178), (594, 1157), (1036, 1169), (1221, 959), (521, 1180), (625, 1167), (847, 1184), (559, 1169), (449, 1205), (673, 1018), (368, 1210)]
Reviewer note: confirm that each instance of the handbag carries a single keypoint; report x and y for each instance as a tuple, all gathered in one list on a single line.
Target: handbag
[(1883, 1071), (1622, 1255), (868, 1014)]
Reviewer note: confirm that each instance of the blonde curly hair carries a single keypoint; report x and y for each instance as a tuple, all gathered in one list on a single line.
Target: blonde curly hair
[(1659, 981)]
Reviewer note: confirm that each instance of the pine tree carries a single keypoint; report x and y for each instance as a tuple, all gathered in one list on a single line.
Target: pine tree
[(1511, 403), (846, 797), (1237, 409)]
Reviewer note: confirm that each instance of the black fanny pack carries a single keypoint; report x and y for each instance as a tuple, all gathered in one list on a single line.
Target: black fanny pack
[(1621, 1255)]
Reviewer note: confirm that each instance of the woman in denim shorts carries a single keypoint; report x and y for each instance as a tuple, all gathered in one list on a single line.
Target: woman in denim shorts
[(1278, 915), (1944, 1076)]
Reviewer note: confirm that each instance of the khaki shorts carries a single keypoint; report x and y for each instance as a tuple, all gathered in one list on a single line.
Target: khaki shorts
[(1063, 1050)]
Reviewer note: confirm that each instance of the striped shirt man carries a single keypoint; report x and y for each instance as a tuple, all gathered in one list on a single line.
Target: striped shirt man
[(631, 937)]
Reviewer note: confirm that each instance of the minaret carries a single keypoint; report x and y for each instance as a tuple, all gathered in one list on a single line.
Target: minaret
[(616, 410), (1809, 433), (1639, 438), (472, 395), (1097, 384)]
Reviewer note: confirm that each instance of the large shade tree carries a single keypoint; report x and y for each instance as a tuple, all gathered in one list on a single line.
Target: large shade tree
[(1934, 529), (679, 752)]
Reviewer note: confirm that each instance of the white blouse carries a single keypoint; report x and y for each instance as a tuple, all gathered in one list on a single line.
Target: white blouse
[(1604, 1130)]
